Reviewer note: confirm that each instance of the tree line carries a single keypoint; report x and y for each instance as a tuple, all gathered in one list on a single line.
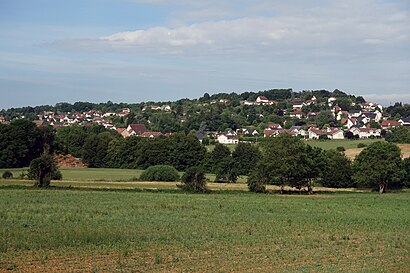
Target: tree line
[(288, 161), (282, 160)]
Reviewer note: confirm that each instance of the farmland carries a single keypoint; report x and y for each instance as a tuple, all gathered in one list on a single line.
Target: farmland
[(129, 226)]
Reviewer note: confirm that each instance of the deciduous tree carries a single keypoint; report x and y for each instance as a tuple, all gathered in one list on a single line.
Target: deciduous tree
[(378, 166)]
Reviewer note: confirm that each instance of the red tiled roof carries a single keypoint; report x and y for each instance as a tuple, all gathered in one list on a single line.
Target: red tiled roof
[(262, 98), (389, 123), (120, 130), (138, 128), (274, 126)]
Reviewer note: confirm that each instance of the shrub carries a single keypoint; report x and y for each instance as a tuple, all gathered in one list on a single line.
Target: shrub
[(160, 173), (42, 170), (323, 137), (56, 175), (361, 145), (256, 184), (194, 180), (7, 175), (340, 149)]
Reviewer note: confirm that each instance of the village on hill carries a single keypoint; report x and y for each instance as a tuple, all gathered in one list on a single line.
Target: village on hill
[(308, 115)]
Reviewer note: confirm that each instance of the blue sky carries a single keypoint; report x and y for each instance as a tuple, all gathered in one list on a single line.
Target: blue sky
[(138, 50)]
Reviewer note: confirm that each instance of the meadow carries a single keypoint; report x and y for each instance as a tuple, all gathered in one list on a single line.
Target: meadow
[(326, 145), (132, 229)]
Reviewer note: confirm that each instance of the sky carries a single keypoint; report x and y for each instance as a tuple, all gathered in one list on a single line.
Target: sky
[(155, 50)]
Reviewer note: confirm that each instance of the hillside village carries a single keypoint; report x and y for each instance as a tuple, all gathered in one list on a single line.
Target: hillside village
[(303, 115)]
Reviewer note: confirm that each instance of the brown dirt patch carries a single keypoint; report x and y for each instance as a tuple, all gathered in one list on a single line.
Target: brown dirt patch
[(352, 153), (68, 161)]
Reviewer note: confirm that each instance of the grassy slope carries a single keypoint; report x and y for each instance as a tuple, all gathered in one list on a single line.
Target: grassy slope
[(57, 230)]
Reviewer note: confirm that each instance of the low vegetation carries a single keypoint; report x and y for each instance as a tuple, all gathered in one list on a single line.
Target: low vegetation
[(160, 173), (194, 180), (42, 170), (124, 230)]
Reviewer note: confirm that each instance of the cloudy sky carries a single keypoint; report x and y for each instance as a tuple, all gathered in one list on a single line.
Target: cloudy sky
[(139, 50)]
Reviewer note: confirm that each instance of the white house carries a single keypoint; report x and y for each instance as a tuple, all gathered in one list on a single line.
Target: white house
[(331, 133), (297, 104), (297, 114), (366, 132), (262, 100), (405, 121), (331, 100), (224, 139)]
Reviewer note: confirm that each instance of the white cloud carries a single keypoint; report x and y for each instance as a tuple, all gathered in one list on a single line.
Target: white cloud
[(344, 29)]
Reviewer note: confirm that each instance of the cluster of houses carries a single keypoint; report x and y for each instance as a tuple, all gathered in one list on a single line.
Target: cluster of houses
[(356, 123), (88, 118), (139, 130)]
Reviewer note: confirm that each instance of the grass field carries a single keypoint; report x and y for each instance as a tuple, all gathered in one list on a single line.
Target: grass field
[(333, 144), (326, 145), (117, 230), (350, 145), (101, 175)]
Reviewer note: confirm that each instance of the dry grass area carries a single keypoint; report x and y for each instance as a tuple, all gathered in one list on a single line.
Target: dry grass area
[(352, 153)]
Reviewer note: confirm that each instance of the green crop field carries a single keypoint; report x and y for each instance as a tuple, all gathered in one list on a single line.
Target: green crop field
[(77, 229), (333, 144), (100, 175), (326, 145)]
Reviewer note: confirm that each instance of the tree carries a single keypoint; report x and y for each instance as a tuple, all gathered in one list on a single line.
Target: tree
[(126, 152), (218, 154), (186, 151), (245, 156), (283, 162), (325, 117), (95, 149), (72, 139), (194, 180), (257, 182), (406, 167), (47, 134), (399, 134), (337, 171), (226, 170), (42, 170), (20, 142), (311, 168), (155, 152), (378, 166), (360, 99)]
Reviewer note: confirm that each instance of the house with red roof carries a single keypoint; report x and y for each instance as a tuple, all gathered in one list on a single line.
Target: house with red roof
[(262, 100), (136, 129), (388, 124)]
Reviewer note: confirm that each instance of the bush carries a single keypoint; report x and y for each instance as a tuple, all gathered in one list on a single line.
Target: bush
[(361, 145), (56, 175), (7, 175), (160, 173), (256, 184), (340, 149), (323, 137), (42, 170), (194, 180)]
